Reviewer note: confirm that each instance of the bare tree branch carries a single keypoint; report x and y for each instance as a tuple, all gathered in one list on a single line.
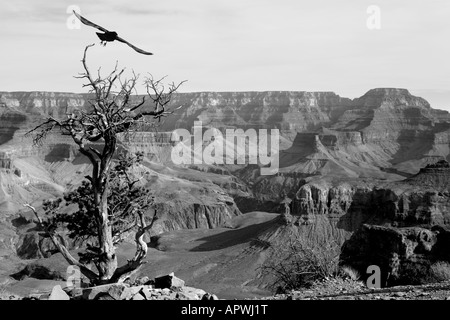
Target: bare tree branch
[(62, 248), (111, 111)]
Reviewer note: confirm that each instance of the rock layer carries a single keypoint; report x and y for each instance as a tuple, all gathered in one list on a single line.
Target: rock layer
[(423, 199), (404, 255)]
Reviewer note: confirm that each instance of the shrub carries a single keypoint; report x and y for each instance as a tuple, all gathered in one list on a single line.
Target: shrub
[(300, 262), (351, 273), (440, 271)]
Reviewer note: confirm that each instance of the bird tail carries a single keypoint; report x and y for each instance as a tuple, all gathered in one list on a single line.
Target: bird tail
[(100, 35)]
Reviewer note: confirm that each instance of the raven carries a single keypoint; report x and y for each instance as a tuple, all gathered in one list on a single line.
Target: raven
[(108, 36)]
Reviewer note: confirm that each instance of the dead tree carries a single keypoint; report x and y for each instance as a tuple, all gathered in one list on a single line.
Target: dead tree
[(111, 113)]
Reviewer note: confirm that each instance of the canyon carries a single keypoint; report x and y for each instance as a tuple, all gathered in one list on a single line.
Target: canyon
[(346, 164)]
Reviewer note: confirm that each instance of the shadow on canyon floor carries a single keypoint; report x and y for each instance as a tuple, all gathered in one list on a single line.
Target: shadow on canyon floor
[(233, 237)]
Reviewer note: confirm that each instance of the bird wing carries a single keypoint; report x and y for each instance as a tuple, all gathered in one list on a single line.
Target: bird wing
[(134, 47), (89, 23)]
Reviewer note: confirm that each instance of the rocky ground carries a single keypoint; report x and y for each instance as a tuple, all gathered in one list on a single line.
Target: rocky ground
[(174, 289), (168, 287), (339, 289)]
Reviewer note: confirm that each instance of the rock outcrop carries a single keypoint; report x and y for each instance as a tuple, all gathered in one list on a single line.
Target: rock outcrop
[(404, 255), (126, 291), (423, 199)]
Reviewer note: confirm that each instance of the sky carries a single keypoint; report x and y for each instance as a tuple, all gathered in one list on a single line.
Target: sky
[(346, 46)]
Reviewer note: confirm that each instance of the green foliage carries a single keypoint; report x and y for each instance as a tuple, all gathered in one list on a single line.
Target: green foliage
[(126, 197)]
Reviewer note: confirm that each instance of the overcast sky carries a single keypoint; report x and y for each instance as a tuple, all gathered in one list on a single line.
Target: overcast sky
[(235, 45)]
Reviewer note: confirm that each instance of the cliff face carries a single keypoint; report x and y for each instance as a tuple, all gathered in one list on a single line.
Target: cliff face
[(288, 111), (385, 134), (350, 207), (385, 124), (401, 227), (55, 104), (404, 255)]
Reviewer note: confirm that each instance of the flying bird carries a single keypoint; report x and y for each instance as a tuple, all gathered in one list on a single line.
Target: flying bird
[(108, 36)]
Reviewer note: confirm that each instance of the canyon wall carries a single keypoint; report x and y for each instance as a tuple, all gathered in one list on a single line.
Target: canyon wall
[(337, 154)]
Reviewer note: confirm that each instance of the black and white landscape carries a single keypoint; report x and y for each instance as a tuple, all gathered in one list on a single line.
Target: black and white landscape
[(95, 205)]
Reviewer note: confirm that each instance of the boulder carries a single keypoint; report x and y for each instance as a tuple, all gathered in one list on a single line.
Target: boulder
[(92, 292), (165, 291), (193, 292), (404, 255), (121, 292), (186, 296), (168, 281), (209, 296), (138, 296), (146, 293), (58, 294), (104, 296), (135, 289), (143, 281)]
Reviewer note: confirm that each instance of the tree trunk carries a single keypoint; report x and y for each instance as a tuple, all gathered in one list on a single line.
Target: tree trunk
[(108, 259), (107, 263)]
